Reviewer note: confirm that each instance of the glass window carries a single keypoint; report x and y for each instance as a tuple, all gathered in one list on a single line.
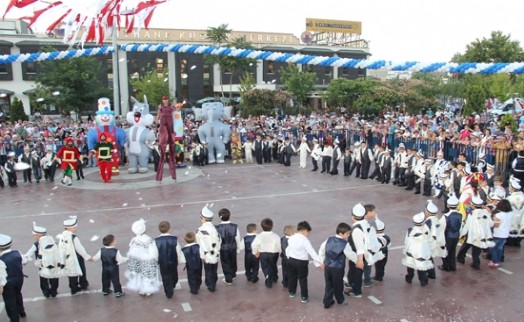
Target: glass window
[(270, 67), (159, 65)]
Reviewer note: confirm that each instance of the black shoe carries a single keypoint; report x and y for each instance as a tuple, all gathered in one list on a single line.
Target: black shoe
[(327, 306), (417, 193), (22, 314), (211, 289), (431, 277), (443, 268), (409, 188), (193, 292), (107, 292), (474, 267), (408, 280), (119, 294), (423, 283), (322, 171), (462, 261)]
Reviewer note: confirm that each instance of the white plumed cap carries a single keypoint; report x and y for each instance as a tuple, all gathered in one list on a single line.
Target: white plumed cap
[(358, 211), (139, 227), (71, 222)]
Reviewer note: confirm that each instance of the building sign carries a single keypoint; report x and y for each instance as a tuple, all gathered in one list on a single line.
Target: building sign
[(199, 36), (339, 26)]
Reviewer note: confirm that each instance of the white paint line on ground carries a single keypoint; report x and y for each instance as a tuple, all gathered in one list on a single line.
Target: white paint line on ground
[(503, 270), (396, 247), (374, 300), (127, 208), (404, 320), (187, 307)]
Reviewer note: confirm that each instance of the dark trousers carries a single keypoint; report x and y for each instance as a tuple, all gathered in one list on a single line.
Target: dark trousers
[(298, 272), (376, 172), (228, 259), (427, 187), (13, 300), (27, 175), (37, 173), (11, 179), (347, 166), (355, 166), (364, 171), (315, 164), (210, 271), (169, 273), (355, 277), (410, 179), (80, 171), (194, 279), (268, 263), (422, 276), (326, 164), (1, 182), (287, 159), (334, 278), (77, 283), (335, 166), (252, 266), (475, 254), (450, 262), (267, 155), (285, 271), (258, 156), (399, 175), (110, 275), (380, 267), (49, 286)]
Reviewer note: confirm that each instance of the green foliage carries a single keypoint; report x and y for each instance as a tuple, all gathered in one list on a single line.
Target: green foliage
[(263, 101), (76, 80), (475, 99), (508, 119), (298, 83), (498, 48), (151, 84), (17, 111), (247, 82)]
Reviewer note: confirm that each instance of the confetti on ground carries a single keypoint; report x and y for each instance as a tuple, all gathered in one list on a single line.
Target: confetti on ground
[(189, 168), (187, 172), (55, 187), (148, 208), (45, 206), (124, 205), (142, 205), (52, 194), (167, 310), (48, 199), (304, 185), (94, 238), (211, 205), (138, 192), (225, 171), (175, 316), (91, 221), (181, 206), (187, 307), (140, 198)]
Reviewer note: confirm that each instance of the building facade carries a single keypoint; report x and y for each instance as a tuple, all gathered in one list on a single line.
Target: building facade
[(190, 77)]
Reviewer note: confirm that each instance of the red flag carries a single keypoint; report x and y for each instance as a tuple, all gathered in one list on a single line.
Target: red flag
[(18, 4)]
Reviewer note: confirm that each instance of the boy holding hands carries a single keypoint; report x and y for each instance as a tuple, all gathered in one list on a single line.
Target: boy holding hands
[(266, 247), (111, 259), (169, 255)]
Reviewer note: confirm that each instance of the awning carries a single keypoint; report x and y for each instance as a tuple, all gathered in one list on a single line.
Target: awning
[(6, 92)]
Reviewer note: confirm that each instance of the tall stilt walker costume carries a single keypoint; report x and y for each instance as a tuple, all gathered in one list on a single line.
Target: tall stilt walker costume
[(166, 137)]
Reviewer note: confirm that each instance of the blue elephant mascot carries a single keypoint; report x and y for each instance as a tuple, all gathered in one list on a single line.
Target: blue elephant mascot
[(139, 137), (215, 133), (105, 121)]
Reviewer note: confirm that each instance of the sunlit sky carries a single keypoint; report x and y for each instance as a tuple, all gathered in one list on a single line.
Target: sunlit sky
[(398, 30)]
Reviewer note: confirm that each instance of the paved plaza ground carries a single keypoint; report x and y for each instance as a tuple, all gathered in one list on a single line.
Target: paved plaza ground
[(252, 192)]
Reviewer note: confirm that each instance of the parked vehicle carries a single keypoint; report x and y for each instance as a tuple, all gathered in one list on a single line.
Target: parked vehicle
[(508, 106)]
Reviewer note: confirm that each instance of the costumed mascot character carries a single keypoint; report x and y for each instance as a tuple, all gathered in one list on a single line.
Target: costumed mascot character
[(166, 138), (105, 121), (139, 137), (213, 132), (68, 157)]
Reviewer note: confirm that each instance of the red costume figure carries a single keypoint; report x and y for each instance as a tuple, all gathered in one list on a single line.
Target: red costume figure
[(68, 156), (166, 137), (105, 152)]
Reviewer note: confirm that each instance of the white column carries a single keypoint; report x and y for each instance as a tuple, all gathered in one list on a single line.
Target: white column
[(171, 70), (335, 69), (260, 71), (123, 76)]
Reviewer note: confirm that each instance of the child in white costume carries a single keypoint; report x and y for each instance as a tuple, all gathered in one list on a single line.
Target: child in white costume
[(303, 151), (248, 150), (417, 251), (142, 267)]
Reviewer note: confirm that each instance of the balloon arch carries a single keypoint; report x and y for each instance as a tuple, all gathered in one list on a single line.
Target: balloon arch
[(413, 66)]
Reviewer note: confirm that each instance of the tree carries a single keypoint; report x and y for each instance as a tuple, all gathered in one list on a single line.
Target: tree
[(76, 81), (298, 83), (264, 101), (238, 65), (219, 36), (150, 83), (475, 99), (17, 111), (498, 48)]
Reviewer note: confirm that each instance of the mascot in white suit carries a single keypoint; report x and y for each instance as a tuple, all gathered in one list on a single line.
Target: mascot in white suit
[(139, 137)]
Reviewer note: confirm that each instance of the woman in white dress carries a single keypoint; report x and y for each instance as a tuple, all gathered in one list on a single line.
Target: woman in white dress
[(142, 267)]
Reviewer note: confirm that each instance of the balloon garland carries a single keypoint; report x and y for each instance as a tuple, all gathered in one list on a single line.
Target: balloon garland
[(413, 66)]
